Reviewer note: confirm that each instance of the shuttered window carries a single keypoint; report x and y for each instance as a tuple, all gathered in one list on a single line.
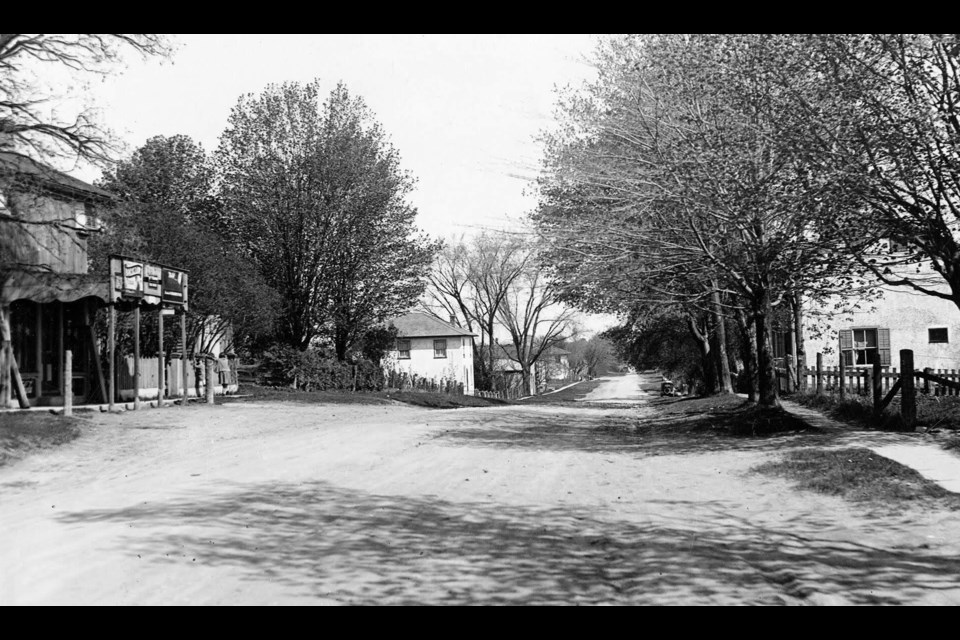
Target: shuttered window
[(863, 347)]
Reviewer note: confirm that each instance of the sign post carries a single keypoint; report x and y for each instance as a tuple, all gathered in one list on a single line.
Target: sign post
[(154, 285), (136, 357), (111, 350)]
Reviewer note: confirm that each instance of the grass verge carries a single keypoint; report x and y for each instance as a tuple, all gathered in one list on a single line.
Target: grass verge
[(859, 475), (731, 415), (22, 432)]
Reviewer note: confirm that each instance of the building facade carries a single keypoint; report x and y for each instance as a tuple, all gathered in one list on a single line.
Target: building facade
[(866, 330), (432, 349), (47, 298)]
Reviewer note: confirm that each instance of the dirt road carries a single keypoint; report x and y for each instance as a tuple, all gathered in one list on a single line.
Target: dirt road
[(349, 504)]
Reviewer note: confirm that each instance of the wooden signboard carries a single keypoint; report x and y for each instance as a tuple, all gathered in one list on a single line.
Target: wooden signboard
[(153, 284)]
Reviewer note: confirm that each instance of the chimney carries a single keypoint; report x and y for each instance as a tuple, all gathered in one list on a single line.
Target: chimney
[(453, 320)]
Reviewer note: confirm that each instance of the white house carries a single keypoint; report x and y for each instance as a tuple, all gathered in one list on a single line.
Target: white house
[(431, 348), (872, 330)]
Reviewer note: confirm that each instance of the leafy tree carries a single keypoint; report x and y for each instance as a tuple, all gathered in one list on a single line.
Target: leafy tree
[(671, 174), (884, 111), (165, 211), (27, 122), (315, 198), (376, 342)]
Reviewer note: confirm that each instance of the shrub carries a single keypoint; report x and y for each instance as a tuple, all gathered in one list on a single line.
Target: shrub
[(315, 370)]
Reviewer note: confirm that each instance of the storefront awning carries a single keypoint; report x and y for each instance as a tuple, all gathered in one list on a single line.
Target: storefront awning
[(46, 287)]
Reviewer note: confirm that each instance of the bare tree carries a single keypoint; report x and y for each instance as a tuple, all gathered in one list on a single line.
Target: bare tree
[(27, 124), (536, 319), (470, 280)]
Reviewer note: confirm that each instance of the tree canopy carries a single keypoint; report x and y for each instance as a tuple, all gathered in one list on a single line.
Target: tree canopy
[(314, 196), (166, 212)]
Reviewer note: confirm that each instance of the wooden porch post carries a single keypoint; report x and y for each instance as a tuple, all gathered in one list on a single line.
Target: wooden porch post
[(136, 357), (183, 354), (68, 382), (6, 353), (160, 371), (112, 356)]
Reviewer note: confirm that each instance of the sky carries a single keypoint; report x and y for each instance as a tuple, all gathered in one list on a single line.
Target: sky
[(462, 110)]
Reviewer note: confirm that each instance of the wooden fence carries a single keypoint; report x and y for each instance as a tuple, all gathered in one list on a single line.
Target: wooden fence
[(510, 393), (402, 381), (226, 382), (882, 385)]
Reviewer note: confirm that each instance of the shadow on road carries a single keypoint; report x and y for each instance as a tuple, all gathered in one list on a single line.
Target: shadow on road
[(642, 430), (324, 541)]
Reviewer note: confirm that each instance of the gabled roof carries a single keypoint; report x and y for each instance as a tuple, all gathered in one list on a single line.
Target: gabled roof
[(28, 170), (421, 325)]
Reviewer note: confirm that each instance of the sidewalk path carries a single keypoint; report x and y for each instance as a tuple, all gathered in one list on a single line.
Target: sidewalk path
[(908, 449)]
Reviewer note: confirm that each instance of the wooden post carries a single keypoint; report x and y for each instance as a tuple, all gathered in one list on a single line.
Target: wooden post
[(112, 355), (819, 373), (98, 369), (210, 380), (354, 378), (791, 373), (183, 355), (843, 378), (61, 345), (6, 355), (908, 402), (161, 383), (926, 381), (136, 357), (877, 387), (17, 383), (68, 382)]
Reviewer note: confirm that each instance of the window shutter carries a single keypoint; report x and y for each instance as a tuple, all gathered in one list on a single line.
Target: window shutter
[(846, 339), (883, 346)]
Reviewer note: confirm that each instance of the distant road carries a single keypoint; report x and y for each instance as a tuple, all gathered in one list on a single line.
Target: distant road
[(626, 388)]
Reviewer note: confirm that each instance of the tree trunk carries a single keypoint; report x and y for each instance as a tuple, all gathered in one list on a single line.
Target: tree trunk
[(529, 381), (341, 340), (748, 332), (799, 357), (766, 371), (708, 367), (725, 384)]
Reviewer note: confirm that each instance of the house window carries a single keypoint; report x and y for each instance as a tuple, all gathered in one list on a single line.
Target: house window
[(938, 334), (403, 349), (863, 347), (439, 348)]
